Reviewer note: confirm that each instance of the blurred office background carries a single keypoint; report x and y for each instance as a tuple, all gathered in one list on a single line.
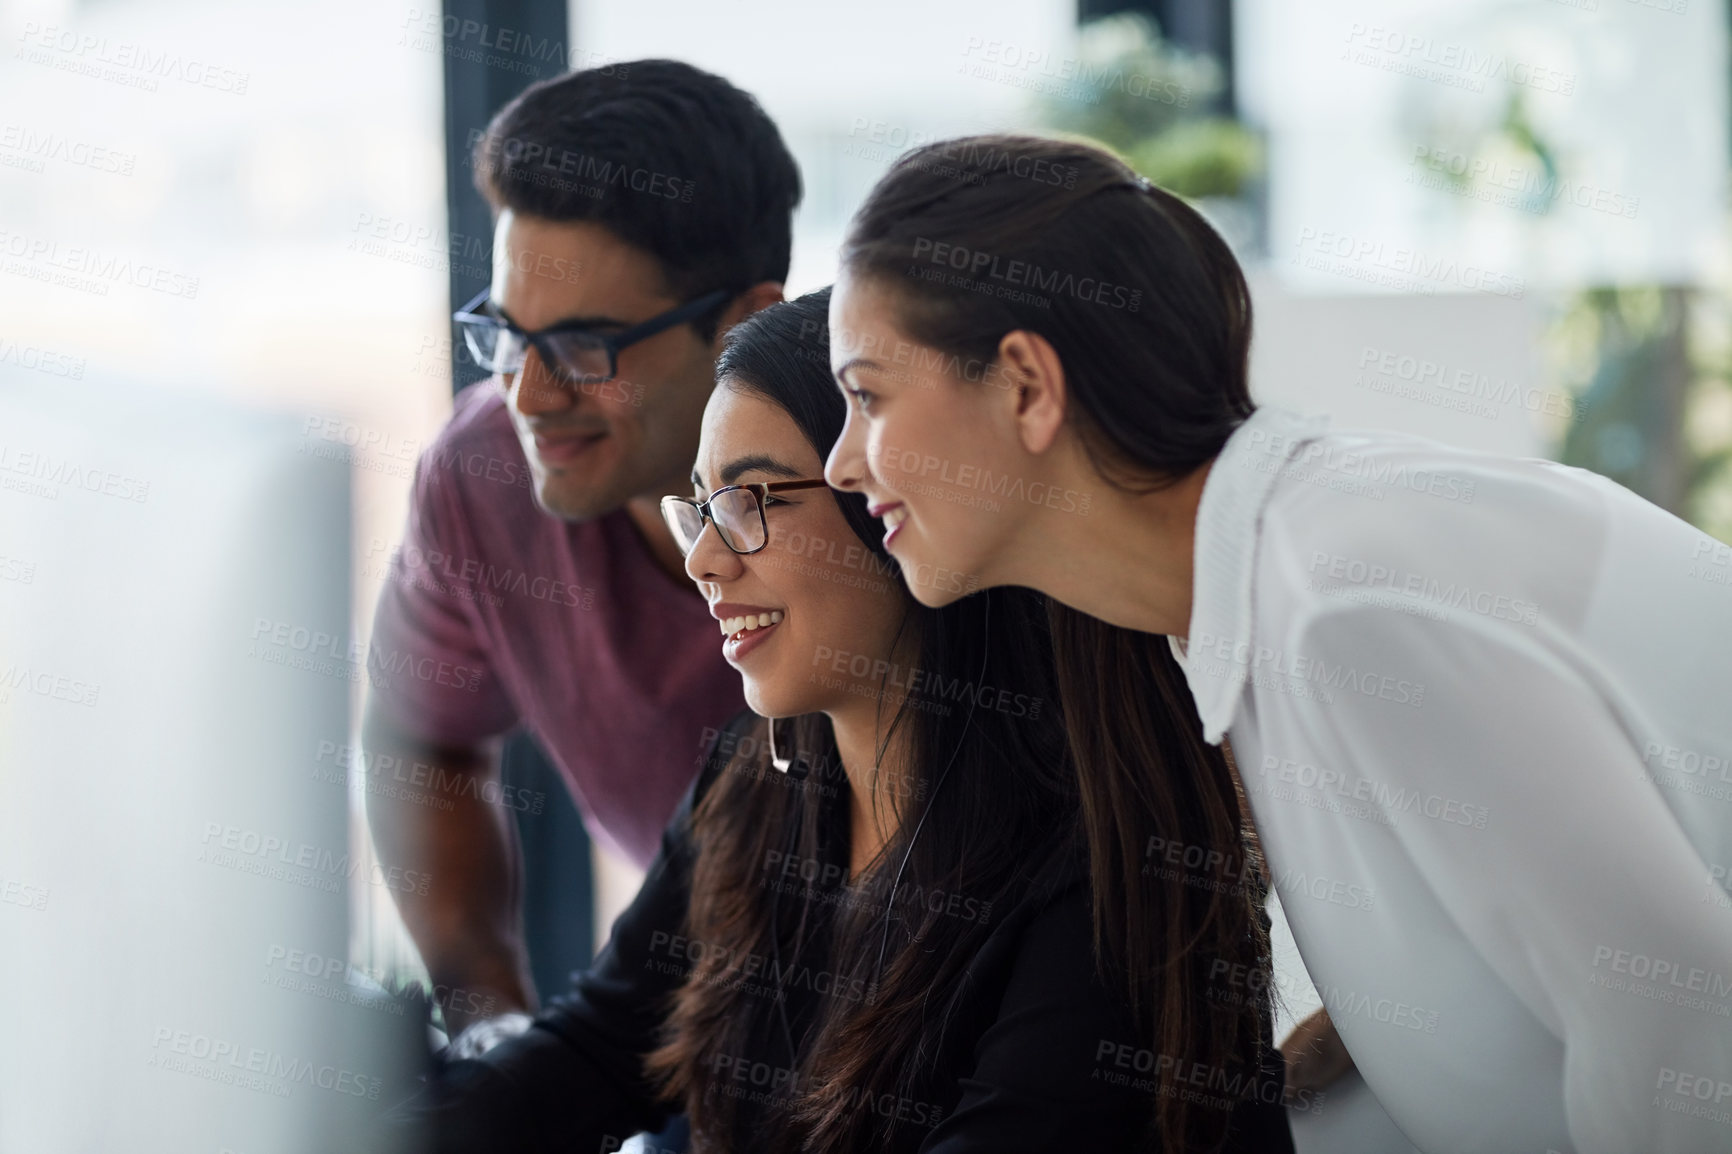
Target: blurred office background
[(1500, 223)]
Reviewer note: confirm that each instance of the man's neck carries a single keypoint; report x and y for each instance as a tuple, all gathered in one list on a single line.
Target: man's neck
[(646, 516)]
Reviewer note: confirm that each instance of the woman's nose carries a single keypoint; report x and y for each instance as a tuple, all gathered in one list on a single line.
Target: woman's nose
[(709, 559), (842, 468)]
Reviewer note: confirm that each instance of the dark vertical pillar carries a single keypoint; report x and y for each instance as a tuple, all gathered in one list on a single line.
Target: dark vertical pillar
[(492, 50)]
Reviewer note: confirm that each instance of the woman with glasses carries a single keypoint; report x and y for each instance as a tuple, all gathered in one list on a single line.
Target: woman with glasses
[(870, 926), (1479, 705)]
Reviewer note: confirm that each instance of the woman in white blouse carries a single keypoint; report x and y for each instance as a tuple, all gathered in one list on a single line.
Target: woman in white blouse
[(1481, 707)]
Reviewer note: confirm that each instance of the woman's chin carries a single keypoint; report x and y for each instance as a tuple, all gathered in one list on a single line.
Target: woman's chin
[(773, 700)]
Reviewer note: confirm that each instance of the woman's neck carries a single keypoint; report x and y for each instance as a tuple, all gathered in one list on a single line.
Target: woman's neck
[(875, 770), (1129, 562)]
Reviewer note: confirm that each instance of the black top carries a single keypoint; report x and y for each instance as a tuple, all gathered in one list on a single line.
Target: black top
[(1037, 1056)]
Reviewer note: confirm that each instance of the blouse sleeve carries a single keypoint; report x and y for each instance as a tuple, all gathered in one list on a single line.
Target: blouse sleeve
[(1580, 862)]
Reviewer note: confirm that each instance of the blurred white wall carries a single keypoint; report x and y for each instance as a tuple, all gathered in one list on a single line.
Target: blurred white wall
[(1373, 105)]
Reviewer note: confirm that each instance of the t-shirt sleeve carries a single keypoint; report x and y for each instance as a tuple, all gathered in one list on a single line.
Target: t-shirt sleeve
[(431, 664)]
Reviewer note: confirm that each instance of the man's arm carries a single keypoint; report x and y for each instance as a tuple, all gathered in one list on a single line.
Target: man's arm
[(468, 925)]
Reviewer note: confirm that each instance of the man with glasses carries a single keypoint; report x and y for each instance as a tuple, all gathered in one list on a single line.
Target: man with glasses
[(641, 210)]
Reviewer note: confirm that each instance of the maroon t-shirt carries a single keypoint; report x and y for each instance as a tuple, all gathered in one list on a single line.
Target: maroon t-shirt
[(497, 612)]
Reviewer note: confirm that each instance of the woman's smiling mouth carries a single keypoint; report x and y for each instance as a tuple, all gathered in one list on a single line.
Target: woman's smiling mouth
[(744, 627)]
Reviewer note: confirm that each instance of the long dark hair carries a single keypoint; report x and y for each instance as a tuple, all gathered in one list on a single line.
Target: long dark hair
[(1151, 317), (987, 802)]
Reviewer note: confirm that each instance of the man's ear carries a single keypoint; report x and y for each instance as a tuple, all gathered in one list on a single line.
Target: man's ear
[(760, 296), (1029, 368)]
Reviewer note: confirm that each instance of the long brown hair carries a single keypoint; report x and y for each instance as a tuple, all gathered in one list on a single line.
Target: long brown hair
[(987, 770), (1151, 317)]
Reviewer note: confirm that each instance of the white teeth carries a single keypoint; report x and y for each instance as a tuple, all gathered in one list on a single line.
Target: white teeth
[(895, 516), (747, 623)]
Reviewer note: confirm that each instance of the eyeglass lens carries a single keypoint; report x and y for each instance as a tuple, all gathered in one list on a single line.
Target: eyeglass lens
[(574, 356), (735, 514)]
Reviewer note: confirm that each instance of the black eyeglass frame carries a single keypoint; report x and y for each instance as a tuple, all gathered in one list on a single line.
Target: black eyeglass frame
[(760, 490), (611, 342)]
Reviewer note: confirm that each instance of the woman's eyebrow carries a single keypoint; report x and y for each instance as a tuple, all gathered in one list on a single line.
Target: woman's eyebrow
[(758, 462), (851, 364), (761, 462)]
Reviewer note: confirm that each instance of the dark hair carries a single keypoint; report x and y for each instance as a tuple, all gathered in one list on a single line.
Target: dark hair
[(671, 159), (1151, 318), (1008, 791)]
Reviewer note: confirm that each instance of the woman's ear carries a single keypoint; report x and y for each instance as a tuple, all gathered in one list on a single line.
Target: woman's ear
[(1030, 368)]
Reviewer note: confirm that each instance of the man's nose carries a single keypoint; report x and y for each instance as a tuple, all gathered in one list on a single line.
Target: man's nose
[(536, 391)]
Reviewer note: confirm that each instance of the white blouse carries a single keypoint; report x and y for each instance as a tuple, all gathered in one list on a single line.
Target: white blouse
[(1482, 707)]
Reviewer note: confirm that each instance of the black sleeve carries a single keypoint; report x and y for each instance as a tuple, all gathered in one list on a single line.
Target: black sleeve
[(1065, 1067), (574, 1079)]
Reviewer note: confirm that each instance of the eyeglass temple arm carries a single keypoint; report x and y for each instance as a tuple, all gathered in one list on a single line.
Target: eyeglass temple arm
[(667, 320)]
